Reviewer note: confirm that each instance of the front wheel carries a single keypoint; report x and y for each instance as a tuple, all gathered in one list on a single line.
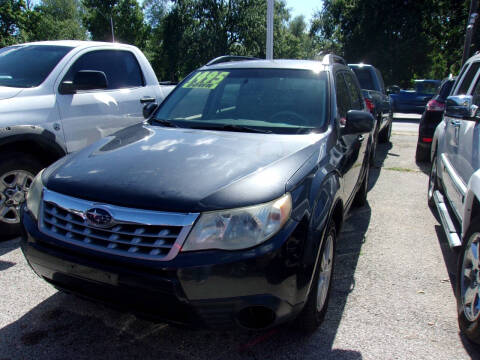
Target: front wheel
[(468, 284), (315, 309), (433, 182), (17, 171)]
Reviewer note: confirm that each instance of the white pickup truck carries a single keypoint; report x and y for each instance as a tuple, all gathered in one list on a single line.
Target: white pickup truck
[(57, 97)]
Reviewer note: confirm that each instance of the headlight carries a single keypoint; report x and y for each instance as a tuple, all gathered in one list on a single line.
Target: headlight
[(239, 228), (34, 196)]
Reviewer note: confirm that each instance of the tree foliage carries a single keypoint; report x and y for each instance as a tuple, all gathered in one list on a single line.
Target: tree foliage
[(405, 39)]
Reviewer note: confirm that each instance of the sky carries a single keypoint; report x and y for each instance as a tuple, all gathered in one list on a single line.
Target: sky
[(304, 7)]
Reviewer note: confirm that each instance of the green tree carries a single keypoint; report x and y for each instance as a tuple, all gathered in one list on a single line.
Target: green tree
[(12, 18), (127, 16), (55, 20)]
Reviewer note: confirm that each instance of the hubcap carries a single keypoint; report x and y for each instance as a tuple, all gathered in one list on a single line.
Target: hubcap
[(470, 279), (325, 273), (14, 187), (433, 179)]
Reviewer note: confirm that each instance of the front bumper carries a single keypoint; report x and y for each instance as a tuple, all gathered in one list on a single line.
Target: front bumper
[(215, 289)]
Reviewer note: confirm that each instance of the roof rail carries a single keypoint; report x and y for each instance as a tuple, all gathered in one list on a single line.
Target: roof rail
[(333, 59), (230, 58)]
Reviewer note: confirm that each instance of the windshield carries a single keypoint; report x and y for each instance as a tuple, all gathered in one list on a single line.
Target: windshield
[(426, 87), (271, 100), (27, 66), (364, 78)]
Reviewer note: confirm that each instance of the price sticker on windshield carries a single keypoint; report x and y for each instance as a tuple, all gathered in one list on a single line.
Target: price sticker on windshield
[(206, 80)]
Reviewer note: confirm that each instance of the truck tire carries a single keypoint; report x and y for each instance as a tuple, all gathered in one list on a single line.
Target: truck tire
[(385, 134), (433, 183), (316, 306), (373, 149), (17, 171), (421, 154), (468, 284), (361, 195)]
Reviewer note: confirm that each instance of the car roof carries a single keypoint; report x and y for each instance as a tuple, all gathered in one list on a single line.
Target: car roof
[(77, 43), (269, 64)]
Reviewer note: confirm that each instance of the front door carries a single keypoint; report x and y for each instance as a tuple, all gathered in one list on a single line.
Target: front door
[(87, 116)]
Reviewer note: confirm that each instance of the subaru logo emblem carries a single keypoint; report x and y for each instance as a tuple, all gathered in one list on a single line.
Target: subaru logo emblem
[(99, 217)]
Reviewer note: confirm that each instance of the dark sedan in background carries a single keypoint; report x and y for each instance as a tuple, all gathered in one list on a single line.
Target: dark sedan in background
[(431, 117)]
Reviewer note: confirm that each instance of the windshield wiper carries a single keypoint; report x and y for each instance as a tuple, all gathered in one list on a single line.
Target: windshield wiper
[(165, 122), (231, 127)]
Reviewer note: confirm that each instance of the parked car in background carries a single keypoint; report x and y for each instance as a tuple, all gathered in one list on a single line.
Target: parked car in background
[(454, 189), (57, 97), (431, 117), (414, 101), (377, 100), (223, 209)]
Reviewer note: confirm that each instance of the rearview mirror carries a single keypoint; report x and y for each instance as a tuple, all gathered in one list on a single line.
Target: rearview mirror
[(84, 80), (358, 122), (461, 107), (148, 109)]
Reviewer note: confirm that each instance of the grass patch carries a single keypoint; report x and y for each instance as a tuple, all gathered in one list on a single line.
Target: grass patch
[(401, 169)]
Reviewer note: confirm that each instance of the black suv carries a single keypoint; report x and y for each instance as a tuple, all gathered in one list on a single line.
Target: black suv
[(222, 208)]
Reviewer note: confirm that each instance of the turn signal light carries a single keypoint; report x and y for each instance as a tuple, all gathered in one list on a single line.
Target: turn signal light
[(434, 105), (427, 140), (370, 105)]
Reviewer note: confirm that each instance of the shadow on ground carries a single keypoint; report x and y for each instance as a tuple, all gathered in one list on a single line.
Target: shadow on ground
[(6, 247), (64, 326)]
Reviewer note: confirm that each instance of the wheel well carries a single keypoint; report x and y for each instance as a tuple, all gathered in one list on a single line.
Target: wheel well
[(337, 216), (40, 151)]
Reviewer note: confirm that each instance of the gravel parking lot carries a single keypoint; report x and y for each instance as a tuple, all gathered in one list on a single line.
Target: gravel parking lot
[(393, 294)]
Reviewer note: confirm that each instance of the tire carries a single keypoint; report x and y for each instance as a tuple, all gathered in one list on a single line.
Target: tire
[(385, 134), (373, 150), (468, 276), (316, 306), (361, 195), (17, 171), (422, 154), (433, 183)]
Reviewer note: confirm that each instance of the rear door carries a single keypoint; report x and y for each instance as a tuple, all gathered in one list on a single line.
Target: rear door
[(88, 116), (352, 147), (457, 156)]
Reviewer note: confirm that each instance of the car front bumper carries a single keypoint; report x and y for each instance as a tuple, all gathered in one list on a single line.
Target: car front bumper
[(254, 288)]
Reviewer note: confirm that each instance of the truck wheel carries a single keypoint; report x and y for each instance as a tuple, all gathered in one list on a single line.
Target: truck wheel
[(17, 171), (385, 134), (361, 195), (315, 309), (421, 155), (373, 149), (433, 184), (468, 283)]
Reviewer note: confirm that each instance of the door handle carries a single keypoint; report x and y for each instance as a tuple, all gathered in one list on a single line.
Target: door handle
[(360, 138), (455, 122), (147, 99)]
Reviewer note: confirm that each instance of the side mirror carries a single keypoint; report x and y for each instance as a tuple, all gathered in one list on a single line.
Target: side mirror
[(148, 109), (461, 107), (84, 80), (358, 122), (394, 89)]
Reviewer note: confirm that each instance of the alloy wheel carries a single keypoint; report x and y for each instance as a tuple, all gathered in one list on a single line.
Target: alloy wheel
[(470, 279), (14, 187), (325, 274)]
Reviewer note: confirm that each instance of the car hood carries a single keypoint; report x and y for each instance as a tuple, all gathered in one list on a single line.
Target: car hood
[(182, 170), (9, 92)]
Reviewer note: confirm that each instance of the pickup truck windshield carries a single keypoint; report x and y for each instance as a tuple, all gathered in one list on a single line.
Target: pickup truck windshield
[(260, 100), (27, 66)]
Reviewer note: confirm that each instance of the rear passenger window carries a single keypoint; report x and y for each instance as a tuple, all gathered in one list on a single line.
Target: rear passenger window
[(343, 101), (467, 80), (476, 94), (355, 94), (120, 67)]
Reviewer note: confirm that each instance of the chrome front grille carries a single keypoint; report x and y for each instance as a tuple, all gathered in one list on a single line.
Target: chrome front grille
[(134, 233)]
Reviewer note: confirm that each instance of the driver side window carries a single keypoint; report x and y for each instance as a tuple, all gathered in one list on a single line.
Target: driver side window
[(343, 101)]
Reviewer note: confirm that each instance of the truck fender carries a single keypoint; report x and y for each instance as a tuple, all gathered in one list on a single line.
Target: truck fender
[(43, 140)]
